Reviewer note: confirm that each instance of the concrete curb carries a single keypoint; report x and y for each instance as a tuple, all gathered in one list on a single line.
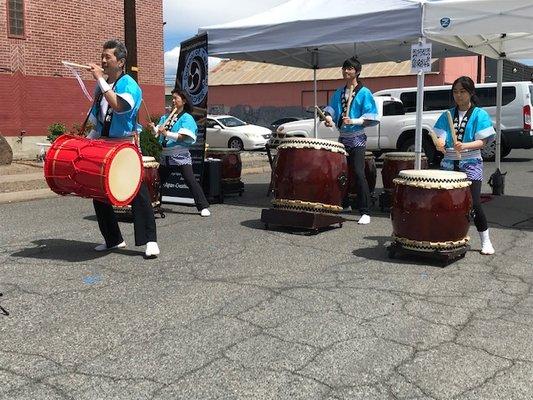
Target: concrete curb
[(22, 177), (25, 195), (250, 165)]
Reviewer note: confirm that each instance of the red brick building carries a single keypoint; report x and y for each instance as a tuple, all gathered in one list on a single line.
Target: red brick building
[(35, 35)]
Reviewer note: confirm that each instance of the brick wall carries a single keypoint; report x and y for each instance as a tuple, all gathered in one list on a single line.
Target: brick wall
[(38, 90), (150, 42)]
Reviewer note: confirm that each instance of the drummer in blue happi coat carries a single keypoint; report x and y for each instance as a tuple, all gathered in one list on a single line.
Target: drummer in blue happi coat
[(351, 108)]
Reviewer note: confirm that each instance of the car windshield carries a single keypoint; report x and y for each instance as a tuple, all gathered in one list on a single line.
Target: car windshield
[(230, 122)]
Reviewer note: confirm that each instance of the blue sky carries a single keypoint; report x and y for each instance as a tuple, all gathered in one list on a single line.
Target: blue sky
[(183, 18)]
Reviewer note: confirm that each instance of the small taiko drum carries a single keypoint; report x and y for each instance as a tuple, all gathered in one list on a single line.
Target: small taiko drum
[(151, 178), (231, 163), (310, 175), (394, 162), (431, 209), (153, 183), (370, 174), (106, 170)]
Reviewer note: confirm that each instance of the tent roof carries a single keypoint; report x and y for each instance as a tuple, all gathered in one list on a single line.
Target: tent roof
[(382, 30), (374, 31), (493, 28)]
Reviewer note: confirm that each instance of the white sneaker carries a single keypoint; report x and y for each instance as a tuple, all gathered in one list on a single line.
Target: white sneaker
[(365, 219), (205, 212), (152, 249), (486, 244), (487, 248), (103, 246)]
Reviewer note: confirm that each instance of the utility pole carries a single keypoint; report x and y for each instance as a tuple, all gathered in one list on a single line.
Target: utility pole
[(130, 37)]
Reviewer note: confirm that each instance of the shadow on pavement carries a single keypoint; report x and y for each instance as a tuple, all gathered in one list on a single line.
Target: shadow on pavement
[(67, 250), (257, 224), (380, 253), (510, 212)]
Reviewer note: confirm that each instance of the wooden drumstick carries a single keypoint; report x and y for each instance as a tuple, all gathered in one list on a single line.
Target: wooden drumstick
[(452, 130), (146, 109), (321, 115), (71, 64)]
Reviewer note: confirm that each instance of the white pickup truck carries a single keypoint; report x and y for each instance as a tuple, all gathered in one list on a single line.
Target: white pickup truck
[(395, 132)]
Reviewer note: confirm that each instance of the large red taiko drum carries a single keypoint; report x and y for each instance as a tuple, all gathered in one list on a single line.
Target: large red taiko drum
[(431, 209), (106, 170), (394, 162), (310, 175)]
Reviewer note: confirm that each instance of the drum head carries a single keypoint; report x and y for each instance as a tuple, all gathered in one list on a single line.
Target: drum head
[(433, 178), (124, 174), (312, 143), (148, 159)]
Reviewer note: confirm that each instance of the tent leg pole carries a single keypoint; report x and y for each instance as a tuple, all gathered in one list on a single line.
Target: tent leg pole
[(499, 78), (419, 110), (315, 128)]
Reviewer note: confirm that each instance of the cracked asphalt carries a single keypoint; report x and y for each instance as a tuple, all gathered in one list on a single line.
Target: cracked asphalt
[(233, 311)]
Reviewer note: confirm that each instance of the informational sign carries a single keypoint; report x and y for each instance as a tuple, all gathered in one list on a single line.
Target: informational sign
[(421, 57), (191, 77)]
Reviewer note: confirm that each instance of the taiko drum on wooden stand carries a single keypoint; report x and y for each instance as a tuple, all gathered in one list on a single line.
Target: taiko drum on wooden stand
[(430, 214), (309, 181)]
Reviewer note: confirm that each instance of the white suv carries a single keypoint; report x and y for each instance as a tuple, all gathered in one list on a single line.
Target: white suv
[(516, 110)]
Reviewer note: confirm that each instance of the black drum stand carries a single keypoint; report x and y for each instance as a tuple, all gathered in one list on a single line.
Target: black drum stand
[(442, 257), (314, 221)]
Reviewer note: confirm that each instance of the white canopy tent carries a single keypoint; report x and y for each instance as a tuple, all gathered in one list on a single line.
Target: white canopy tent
[(323, 33)]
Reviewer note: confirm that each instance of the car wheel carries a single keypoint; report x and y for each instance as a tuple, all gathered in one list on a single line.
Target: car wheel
[(235, 143), (488, 153)]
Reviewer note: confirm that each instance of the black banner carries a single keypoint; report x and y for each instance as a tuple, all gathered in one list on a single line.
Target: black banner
[(191, 77)]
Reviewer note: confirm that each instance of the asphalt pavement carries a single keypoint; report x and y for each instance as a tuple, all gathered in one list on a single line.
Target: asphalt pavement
[(230, 310)]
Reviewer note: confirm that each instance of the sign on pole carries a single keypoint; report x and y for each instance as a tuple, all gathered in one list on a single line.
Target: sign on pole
[(421, 57)]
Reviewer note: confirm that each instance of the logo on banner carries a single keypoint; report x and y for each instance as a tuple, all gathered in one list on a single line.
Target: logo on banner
[(194, 79), (445, 22)]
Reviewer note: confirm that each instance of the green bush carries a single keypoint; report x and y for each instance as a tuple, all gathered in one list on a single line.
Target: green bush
[(55, 130), (149, 144)]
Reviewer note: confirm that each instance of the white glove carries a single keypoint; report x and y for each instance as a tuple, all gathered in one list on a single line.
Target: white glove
[(357, 121)]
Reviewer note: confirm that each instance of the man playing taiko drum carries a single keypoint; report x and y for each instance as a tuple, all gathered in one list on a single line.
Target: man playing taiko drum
[(462, 131), (351, 108), (113, 115)]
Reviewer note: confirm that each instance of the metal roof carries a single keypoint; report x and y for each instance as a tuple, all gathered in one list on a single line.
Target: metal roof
[(237, 72)]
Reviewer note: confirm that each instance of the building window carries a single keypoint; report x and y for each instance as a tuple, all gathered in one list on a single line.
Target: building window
[(15, 18)]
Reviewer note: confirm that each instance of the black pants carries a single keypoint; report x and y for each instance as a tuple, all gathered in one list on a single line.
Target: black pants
[(356, 160), (480, 220), (188, 176), (143, 220)]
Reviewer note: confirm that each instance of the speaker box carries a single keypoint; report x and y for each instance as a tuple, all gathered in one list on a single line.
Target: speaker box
[(212, 182)]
